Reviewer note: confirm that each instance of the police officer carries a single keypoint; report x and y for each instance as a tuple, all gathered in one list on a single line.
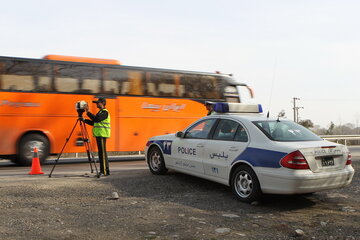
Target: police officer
[(209, 107), (101, 131)]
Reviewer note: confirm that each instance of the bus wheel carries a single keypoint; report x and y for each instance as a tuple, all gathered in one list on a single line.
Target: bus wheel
[(156, 161), (245, 184), (27, 145)]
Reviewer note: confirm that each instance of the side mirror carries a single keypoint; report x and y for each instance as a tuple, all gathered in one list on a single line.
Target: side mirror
[(179, 134)]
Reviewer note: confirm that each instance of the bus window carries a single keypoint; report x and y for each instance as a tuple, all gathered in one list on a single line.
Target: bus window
[(160, 84), (198, 86), (25, 76), (114, 79), (210, 87), (44, 84), (80, 79), (111, 87), (63, 84), (192, 86), (134, 86), (179, 88), (166, 86), (17, 83), (151, 88), (2, 71), (91, 85)]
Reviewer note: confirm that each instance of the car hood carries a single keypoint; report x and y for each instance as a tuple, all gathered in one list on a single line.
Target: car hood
[(163, 137)]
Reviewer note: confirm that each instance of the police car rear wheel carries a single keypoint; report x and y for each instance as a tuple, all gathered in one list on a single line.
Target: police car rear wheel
[(245, 184), (156, 162)]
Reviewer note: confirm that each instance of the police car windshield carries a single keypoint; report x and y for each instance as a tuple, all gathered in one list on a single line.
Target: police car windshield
[(286, 131)]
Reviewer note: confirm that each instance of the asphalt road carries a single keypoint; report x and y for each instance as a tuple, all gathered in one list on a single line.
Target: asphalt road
[(173, 206), (69, 168)]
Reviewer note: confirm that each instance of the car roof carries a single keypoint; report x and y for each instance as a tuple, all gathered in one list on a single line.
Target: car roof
[(242, 116)]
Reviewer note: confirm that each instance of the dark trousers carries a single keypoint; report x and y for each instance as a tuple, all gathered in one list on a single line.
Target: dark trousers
[(103, 159)]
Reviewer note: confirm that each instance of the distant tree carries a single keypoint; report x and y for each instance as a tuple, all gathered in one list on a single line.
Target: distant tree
[(317, 129), (356, 130), (345, 129), (307, 123), (330, 129)]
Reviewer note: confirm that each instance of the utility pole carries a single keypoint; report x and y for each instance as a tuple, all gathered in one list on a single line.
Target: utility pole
[(296, 109)]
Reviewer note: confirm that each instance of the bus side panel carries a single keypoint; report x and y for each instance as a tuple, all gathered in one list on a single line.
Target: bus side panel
[(8, 134), (133, 119), (140, 118), (135, 133), (54, 115)]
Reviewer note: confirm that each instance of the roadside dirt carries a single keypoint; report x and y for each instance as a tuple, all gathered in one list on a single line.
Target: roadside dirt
[(174, 206)]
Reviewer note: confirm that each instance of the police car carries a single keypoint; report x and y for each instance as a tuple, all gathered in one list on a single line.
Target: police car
[(252, 154)]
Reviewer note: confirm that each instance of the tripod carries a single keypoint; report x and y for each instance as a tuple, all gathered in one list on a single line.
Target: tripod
[(85, 137)]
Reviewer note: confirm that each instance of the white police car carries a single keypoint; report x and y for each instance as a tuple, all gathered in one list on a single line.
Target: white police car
[(252, 154)]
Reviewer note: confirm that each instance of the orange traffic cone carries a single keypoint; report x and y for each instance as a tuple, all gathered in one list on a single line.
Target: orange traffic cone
[(35, 166)]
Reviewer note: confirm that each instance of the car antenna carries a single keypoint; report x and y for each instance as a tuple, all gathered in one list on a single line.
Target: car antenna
[(272, 85)]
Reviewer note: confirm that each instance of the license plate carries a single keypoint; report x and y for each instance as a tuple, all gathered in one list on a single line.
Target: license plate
[(327, 161)]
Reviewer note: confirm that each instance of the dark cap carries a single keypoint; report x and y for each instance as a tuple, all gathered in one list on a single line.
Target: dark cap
[(100, 100)]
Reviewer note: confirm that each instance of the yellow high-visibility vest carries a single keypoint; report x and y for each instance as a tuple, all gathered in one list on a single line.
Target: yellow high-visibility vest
[(102, 129)]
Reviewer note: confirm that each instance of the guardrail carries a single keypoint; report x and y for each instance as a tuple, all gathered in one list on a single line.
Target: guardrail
[(344, 138)]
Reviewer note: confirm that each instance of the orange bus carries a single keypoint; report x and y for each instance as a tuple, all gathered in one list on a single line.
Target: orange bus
[(38, 96)]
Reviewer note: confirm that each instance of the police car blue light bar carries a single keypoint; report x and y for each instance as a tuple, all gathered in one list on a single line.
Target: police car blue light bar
[(237, 108)]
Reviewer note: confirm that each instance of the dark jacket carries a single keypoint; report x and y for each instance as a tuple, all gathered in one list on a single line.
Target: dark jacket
[(100, 116)]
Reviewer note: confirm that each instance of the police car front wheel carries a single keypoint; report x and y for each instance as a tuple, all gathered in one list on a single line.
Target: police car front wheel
[(245, 185), (156, 161)]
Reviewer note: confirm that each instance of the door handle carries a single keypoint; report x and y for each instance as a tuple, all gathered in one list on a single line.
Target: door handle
[(233, 149), (200, 145)]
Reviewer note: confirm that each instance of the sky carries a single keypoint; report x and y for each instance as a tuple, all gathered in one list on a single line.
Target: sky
[(307, 49)]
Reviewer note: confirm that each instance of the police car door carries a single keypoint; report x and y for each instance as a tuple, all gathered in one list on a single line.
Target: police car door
[(228, 142), (189, 149)]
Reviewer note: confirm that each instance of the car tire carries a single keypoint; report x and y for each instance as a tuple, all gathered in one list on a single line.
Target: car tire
[(245, 184), (26, 148), (156, 161)]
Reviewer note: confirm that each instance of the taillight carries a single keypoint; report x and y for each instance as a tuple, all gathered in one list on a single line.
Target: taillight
[(348, 161), (294, 160), (148, 143)]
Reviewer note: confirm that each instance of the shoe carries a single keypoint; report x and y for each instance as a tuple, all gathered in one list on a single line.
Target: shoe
[(102, 174)]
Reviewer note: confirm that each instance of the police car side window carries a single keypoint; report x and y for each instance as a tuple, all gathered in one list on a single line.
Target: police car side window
[(225, 130), (241, 135), (200, 130)]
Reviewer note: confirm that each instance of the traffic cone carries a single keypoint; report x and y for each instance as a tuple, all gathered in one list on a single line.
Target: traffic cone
[(35, 166)]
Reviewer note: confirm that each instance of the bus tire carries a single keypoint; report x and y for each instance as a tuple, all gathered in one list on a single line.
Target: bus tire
[(245, 184), (27, 145), (156, 161)]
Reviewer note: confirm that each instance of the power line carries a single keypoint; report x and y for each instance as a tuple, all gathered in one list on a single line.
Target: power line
[(332, 99)]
